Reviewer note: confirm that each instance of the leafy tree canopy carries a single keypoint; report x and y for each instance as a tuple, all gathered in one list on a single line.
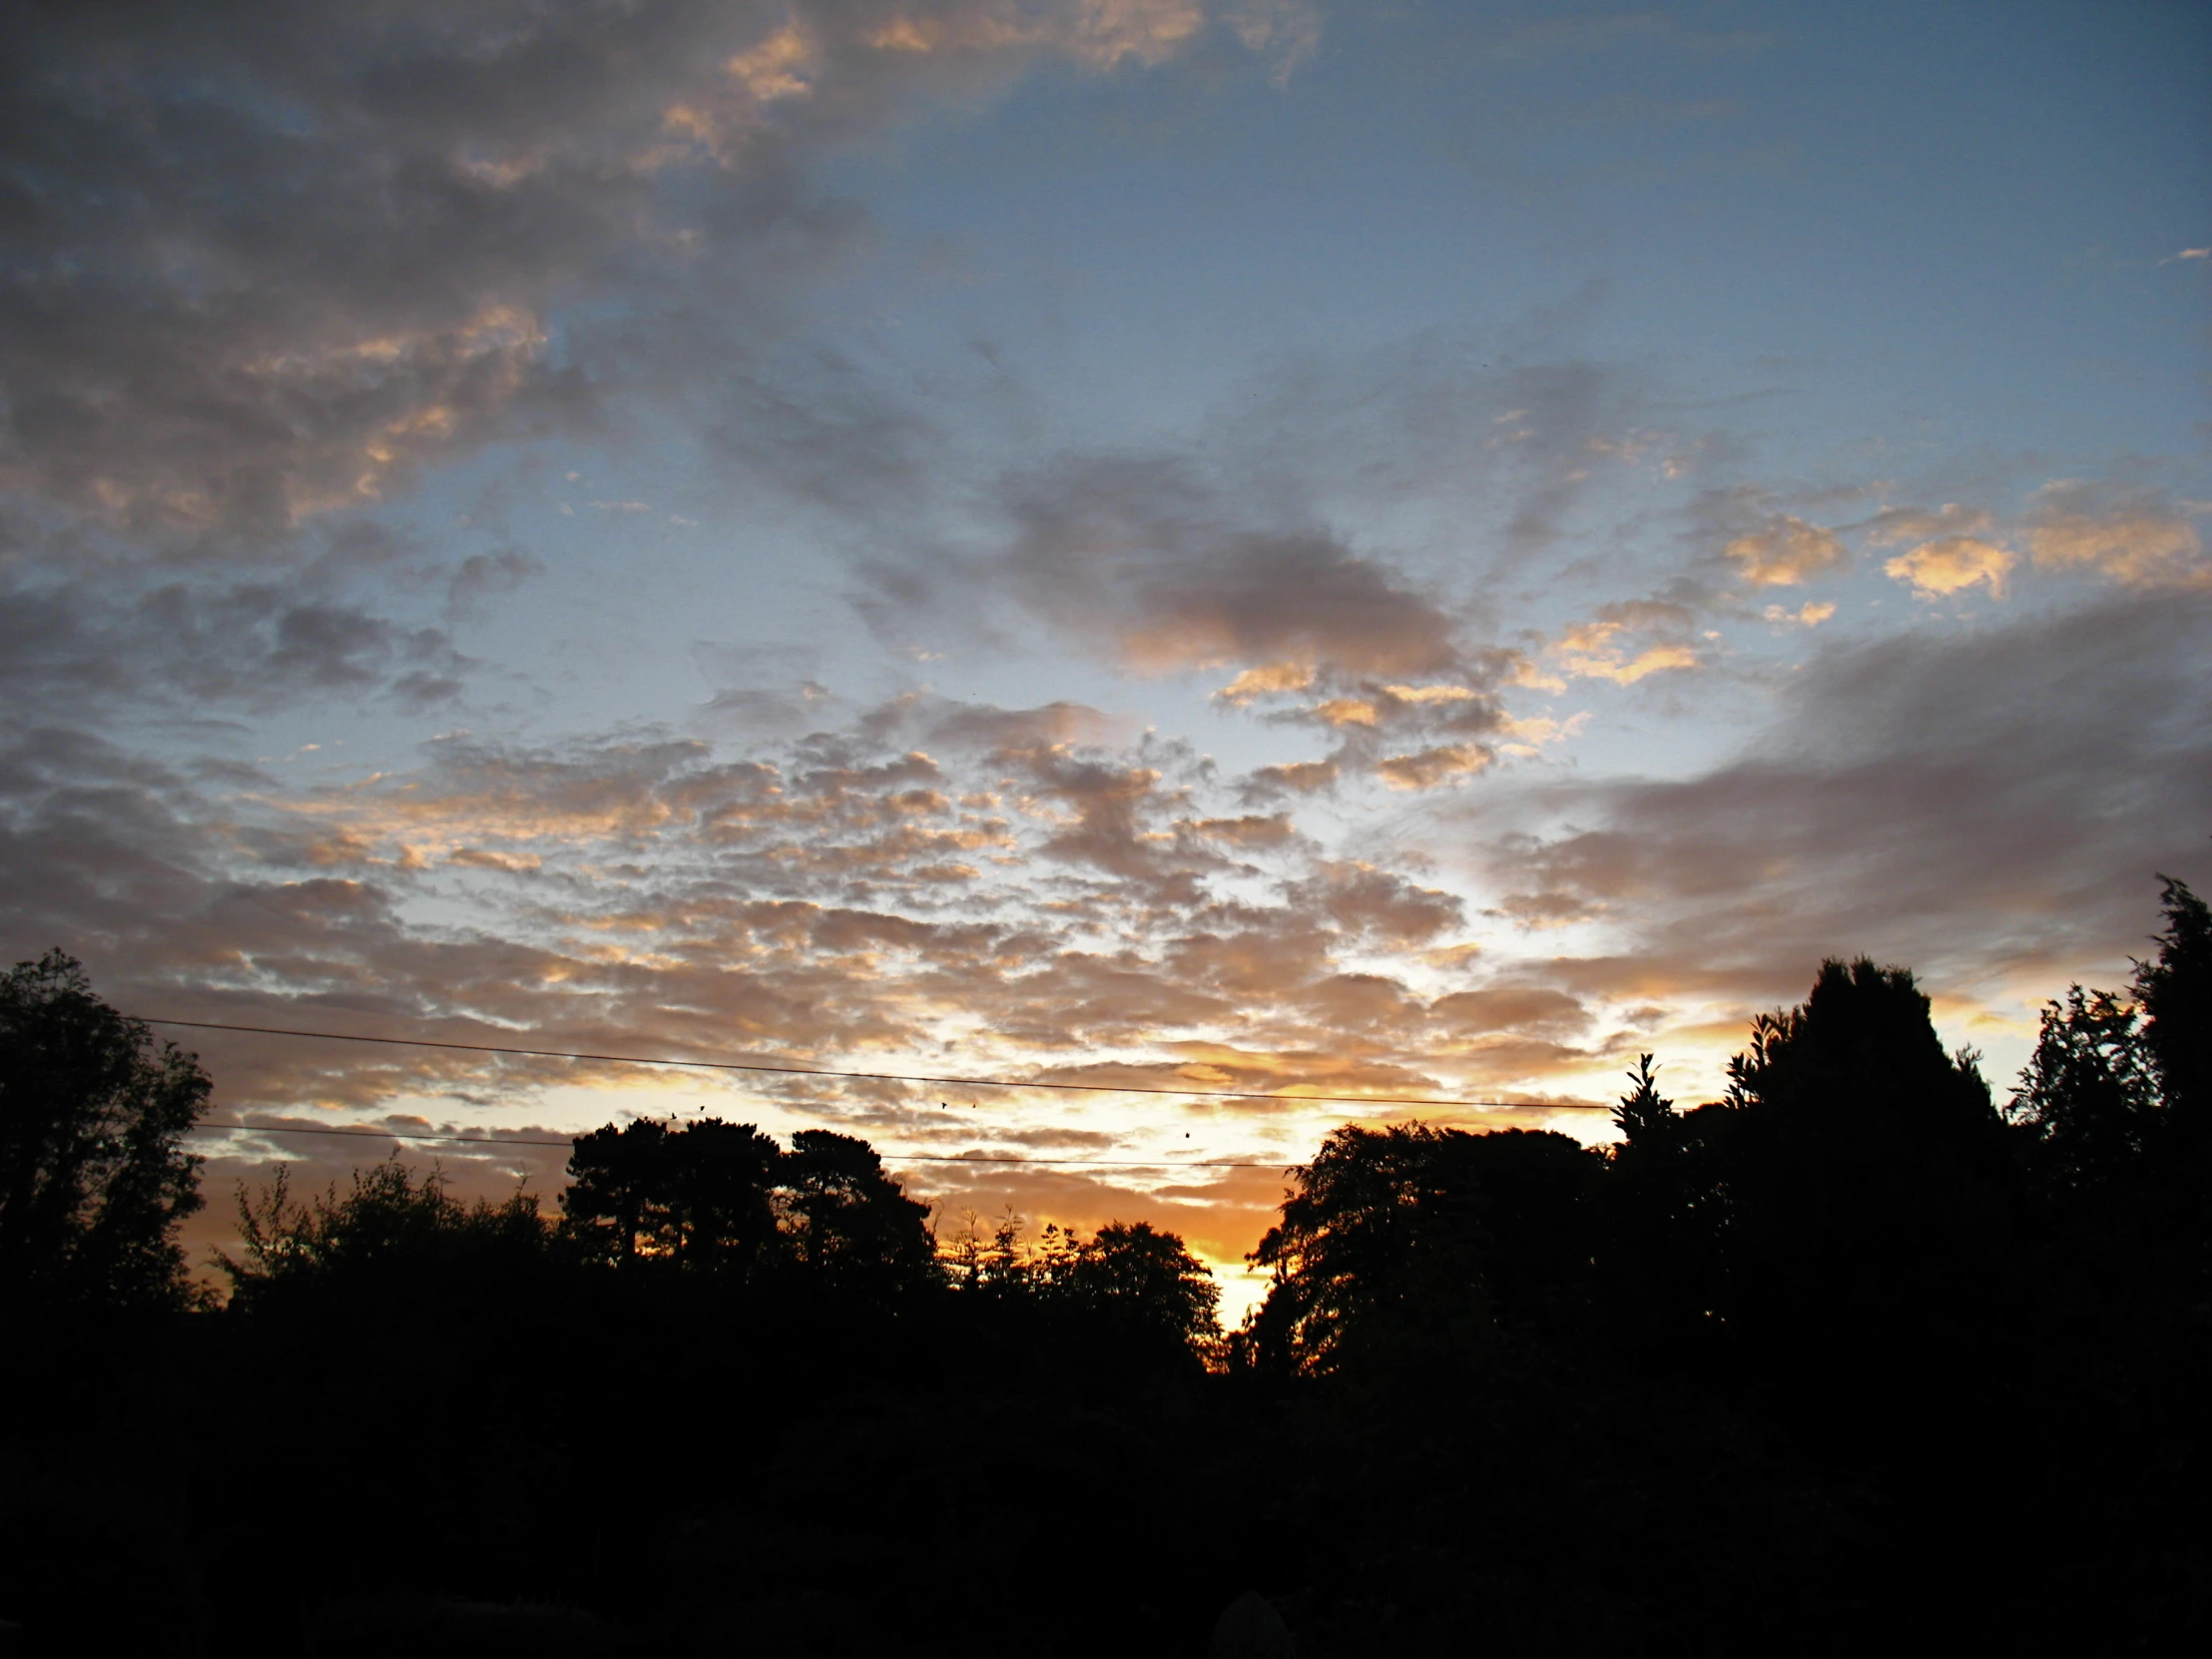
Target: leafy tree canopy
[(725, 1199), (387, 1229), (2117, 1081), (93, 1178), (1129, 1280), (1862, 1052), (2174, 989), (698, 1195), (1416, 1238)]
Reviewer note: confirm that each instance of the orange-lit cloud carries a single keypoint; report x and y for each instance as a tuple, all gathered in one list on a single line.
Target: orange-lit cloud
[(1627, 642), (1952, 564), (1811, 614), (1785, 551), (1429, 767), (2138, 538)]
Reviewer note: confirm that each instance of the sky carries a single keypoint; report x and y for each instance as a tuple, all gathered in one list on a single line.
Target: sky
[(1396, 552)]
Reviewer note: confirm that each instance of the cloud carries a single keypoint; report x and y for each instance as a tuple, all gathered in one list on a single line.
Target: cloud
[(1284, 33), (1627, 642), (1936, 569), (1248, 829), (1811, 614), (1785, 551), (827, 895), (1503, 443), (1154, 566), (1432, 766), (258, 645), (1378, 903), (1978, 806), (270, 261), (1291, 778), (1538, 1010), (1141, 558), (1893, 526), (2137, 537)]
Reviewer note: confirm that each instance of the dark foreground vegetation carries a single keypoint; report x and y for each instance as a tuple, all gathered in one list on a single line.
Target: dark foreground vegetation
[(1850, 1359)]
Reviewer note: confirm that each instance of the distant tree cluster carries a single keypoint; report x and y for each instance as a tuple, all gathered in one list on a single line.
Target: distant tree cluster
[(720, 1207), (1130, 1282)]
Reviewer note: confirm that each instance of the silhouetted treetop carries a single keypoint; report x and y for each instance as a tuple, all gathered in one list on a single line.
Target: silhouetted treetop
[(698, 1195), (2174, 989), (93, 1178), (724, 1199), (387, 1231), (2115, 1086), (1643, 1115), (1413, 1238), (1136, 1274), (1862, 1044), (846, 1221), (2088, 1098)]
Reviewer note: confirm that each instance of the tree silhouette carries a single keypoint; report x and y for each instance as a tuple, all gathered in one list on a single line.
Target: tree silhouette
[(1643, 1116), (387, 1230), (620, 1208), (696, 1196), (93, 1178), (2117, 1089), (1860, 1053), (1407, 1245), (846, 1223), (2174, 989), (1140, 1282), (1667, 1202), (2088, 1098), (1869, 1190)]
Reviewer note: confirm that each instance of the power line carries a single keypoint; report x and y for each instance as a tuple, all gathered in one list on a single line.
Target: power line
[(884, 1076), (888, 1156)]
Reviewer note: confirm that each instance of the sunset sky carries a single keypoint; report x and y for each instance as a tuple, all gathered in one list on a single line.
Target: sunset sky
[(1406, 550)]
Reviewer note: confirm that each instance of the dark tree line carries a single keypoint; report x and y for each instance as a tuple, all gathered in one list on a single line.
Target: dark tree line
[(720, 1210), (1857, 1193), (1852, 1347)]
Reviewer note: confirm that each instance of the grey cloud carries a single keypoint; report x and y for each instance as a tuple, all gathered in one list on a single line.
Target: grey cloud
[(1153, 567), (1975, 804), (1540, 1011), (267, 257), (263, 259), (1379, 905), (825, 432), (1248, 829), (254, 645), (484, 576), (1009, 733)]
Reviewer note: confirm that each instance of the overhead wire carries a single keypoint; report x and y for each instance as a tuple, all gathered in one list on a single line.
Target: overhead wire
[(888, 1156), (815, 1071), (883, 1076)]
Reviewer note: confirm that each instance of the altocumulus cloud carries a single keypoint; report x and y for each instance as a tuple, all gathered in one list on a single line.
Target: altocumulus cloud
[(267, 260)]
